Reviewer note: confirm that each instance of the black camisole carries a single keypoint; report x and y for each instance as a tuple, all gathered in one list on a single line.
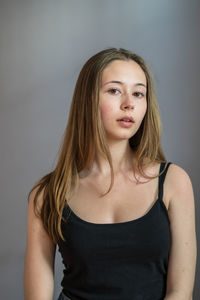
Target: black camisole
[(117, 261)]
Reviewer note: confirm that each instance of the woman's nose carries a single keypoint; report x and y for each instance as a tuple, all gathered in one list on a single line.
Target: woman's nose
[(127, 101)]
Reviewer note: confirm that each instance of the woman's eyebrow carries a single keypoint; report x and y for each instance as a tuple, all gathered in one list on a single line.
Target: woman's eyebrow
[(120, 82)]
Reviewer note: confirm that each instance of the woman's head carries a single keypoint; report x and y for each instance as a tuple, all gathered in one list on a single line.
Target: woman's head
[(85, 122)]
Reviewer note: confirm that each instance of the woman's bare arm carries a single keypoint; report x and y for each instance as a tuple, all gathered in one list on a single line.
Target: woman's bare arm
[(39, 259), (182, 260)]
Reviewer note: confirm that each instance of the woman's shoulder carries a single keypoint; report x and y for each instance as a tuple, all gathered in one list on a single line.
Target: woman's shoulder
[(178, 184), (36, 191), (177, 175)]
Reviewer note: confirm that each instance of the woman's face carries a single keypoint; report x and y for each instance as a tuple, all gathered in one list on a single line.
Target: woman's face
[(122, 94)]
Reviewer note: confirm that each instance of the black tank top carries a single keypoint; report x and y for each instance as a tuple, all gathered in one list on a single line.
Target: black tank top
[(117, 261)]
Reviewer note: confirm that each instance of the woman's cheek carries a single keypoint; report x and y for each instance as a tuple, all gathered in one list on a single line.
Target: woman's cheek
[(107, 111)]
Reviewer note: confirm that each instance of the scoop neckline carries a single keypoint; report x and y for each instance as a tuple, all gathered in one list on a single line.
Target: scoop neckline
[(137, 220)]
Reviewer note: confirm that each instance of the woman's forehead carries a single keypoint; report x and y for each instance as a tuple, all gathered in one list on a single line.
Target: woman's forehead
[(123, 71)]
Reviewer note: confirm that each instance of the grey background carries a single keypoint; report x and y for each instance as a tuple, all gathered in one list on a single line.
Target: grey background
[(43, 45)]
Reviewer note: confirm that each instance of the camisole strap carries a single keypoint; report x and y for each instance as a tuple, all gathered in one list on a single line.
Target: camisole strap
[(162, 178)]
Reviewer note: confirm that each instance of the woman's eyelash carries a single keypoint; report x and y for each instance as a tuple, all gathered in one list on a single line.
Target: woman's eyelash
[(142, 95), (113, 91)]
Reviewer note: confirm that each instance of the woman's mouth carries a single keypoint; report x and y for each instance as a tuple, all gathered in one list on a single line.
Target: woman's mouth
[(125, 123)]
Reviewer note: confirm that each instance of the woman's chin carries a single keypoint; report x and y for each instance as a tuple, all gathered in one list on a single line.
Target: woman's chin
[(119, 137)]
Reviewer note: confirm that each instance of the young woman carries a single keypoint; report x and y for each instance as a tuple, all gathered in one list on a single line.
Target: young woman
[(122, 216)]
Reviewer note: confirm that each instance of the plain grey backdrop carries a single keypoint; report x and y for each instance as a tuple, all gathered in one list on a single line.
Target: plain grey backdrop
[(43, 45)]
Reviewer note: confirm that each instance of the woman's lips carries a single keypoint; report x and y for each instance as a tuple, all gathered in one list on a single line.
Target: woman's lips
[(126, 124), (126, 118)]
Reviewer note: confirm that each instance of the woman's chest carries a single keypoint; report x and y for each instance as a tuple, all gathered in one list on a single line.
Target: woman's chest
[(125, 202)]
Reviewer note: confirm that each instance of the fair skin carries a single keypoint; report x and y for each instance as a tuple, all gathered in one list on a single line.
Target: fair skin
[(119, 98), (123, 92)]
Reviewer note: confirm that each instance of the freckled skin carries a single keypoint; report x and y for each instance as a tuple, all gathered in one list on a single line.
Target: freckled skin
[(122, 98)]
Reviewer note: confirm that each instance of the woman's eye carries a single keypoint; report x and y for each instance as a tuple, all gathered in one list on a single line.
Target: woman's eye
[(114, 91), (139, 94)]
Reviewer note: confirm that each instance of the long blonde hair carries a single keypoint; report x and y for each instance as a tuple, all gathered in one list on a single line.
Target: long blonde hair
[(85, 136)]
